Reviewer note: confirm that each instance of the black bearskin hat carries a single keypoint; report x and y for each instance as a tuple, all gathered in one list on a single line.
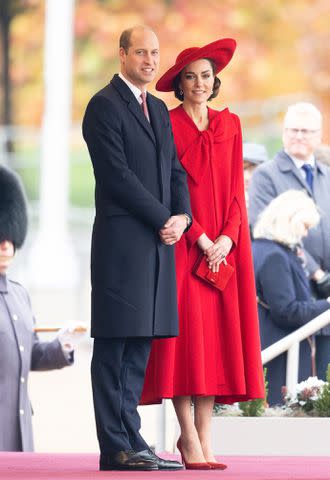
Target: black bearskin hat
[(13, 210)]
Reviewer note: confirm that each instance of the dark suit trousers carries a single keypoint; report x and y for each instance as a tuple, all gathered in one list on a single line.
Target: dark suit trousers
[(118, 369)]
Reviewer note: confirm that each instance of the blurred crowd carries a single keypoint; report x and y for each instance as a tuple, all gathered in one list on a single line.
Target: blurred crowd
[(288, 201)]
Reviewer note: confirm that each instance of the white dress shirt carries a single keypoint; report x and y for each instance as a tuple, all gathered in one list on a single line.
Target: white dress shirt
[(300, 163), (135, 90)]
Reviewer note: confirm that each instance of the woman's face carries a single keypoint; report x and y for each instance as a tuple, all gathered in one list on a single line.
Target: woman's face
[(197, 81), (300, 224), (304, 228), (6, 255)]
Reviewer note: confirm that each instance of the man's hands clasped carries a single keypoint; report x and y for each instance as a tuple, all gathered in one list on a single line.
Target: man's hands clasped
[(173, 229)]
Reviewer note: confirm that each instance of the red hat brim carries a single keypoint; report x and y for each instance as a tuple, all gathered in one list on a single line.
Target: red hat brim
[(220, 51)]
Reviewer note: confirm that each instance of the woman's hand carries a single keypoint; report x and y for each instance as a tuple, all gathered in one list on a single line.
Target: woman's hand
[(218, 251), (204, 242)]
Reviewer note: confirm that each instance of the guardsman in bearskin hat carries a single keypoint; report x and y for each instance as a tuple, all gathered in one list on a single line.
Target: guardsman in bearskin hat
[(20, 348)]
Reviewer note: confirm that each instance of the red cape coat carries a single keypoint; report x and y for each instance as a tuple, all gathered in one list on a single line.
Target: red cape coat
[(218, 348)]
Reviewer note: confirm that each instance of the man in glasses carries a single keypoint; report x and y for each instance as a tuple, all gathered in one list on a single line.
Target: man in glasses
[(295, 167)]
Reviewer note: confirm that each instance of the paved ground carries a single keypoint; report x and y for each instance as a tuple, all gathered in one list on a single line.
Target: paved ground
[(62, 404)]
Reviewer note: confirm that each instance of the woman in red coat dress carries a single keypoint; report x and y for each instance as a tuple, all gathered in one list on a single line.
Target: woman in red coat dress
[(216, 357)]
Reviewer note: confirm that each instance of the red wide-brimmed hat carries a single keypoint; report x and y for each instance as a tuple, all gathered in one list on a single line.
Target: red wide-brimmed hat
[(220, 51)]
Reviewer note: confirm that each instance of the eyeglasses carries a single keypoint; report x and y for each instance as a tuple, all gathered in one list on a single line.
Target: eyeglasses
[(294, 132)]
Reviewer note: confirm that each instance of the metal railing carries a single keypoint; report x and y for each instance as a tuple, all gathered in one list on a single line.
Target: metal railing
[(291, 344)]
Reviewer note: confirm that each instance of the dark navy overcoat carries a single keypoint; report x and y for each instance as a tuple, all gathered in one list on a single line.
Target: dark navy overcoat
[(139, 185), (283, 286)]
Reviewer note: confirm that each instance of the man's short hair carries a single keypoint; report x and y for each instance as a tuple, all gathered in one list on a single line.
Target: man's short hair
[(303, 108), (125, 37)]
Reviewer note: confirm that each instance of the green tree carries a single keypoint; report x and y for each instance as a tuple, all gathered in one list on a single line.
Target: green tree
[(255, 408), (322, 405)]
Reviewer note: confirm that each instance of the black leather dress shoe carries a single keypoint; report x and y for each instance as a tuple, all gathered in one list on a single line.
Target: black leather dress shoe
[(161, 463), (126, 460)]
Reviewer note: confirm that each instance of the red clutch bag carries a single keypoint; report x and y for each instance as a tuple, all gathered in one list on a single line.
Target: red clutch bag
[(216, 279)]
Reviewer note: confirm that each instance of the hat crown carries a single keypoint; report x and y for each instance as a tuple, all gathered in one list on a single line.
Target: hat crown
[(255, 152), (185, 54), (220, 52)]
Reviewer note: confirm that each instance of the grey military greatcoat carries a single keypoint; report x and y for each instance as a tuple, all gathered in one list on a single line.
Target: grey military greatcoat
[(20, 352)]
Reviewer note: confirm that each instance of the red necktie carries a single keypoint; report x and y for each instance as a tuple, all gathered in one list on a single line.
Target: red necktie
[(144, 105)]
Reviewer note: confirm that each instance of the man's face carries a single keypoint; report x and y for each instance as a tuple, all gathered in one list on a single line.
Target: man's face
[(301, 135), (140, 64), (6, 255), (248, 172)]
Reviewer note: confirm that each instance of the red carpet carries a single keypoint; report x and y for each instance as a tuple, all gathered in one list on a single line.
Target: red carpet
[(42, 466)]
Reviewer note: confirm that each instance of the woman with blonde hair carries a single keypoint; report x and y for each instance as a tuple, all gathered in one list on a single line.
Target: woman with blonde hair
[(285, 300)]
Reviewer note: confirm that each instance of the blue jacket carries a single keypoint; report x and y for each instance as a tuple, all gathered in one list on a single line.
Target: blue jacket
[(287, 304), (279, 175), (281, 284)]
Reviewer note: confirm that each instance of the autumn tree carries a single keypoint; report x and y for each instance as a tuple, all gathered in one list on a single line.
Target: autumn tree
[(9, 9), (282, 48)]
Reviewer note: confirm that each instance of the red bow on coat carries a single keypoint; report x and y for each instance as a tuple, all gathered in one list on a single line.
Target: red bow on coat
[(197, 156)]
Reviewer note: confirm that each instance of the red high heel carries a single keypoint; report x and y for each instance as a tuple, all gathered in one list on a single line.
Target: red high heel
[(217, 465), (194, 465)]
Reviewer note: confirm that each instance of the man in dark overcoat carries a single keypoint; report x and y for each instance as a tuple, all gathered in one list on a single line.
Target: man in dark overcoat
[(142, 209), (296, 167)]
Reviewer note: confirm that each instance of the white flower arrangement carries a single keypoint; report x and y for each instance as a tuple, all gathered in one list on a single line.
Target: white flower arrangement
[(308, 398), (304, 394)]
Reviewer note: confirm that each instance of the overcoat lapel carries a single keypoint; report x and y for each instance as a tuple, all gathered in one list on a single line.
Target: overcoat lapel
[(156, 120), (137, 111), (286, 165), (133, 105), (297, 268)]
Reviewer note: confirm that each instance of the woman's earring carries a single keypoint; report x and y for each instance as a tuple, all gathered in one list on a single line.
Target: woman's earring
[(211, 92), (181, 92)]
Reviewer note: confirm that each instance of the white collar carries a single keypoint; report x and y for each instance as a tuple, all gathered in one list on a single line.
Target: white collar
[(300, 163), (135, 90)]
